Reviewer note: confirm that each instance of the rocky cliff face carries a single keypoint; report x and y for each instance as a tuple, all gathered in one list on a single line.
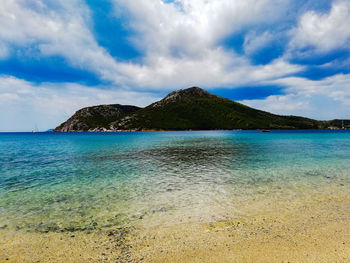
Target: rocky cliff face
[(96, 118)]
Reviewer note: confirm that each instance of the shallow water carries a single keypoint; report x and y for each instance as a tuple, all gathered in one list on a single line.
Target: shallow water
[(87, 181)]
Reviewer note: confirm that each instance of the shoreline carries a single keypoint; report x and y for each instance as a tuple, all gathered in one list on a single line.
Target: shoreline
[(311, 228), (159, 130), (194, 130)]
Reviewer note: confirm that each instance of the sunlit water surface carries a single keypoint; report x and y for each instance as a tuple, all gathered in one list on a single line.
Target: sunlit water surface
[(87, 181)]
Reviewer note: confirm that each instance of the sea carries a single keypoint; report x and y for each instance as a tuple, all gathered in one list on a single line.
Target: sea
[(93, 181)]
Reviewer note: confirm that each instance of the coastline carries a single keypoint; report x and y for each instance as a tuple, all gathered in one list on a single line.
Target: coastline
[(162, 130), (308, 228)]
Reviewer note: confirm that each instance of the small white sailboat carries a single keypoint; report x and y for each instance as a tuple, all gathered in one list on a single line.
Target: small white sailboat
[(35, 129)]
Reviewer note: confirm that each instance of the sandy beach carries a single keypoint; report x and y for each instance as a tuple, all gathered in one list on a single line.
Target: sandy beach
[(313, 228)]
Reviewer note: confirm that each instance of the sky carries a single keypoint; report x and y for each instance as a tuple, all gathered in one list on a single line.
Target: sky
[(283, 56)]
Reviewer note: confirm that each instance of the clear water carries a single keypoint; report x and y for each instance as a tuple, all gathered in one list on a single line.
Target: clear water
[(86, 181)]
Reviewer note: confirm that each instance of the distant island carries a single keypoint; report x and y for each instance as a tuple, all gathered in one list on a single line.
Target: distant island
[(187, 109)]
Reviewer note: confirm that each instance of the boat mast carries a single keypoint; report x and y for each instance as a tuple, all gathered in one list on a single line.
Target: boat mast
[(36, 128)]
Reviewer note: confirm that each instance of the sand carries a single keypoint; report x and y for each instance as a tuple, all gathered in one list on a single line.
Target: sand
[(310, 228)]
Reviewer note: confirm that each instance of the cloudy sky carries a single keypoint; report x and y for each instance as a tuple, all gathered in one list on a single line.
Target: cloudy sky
[(283, 56)]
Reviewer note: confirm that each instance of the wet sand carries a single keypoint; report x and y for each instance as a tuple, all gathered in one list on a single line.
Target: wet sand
[(310, 228)]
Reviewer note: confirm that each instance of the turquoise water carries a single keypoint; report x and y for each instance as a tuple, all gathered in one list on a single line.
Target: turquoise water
[(87, 181)]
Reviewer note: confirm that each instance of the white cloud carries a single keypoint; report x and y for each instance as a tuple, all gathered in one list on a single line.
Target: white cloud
[(254, 42), (24, 104), (217, 69), (196, 25), (58, 28), (181, 41), (323, 99), (324, 31), (281, 104), (336, 87), (4, 51)]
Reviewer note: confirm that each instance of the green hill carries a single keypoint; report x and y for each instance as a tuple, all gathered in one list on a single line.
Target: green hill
[(198, 109), (188, 109)]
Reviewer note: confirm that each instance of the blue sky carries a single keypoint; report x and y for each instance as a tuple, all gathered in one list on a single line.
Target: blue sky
[(282, 56)]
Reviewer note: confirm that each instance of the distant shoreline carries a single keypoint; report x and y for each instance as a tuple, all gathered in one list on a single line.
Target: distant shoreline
[(153, 130), (192, 130)]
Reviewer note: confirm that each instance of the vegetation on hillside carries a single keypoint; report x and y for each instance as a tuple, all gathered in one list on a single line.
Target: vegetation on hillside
[(188, 109)]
